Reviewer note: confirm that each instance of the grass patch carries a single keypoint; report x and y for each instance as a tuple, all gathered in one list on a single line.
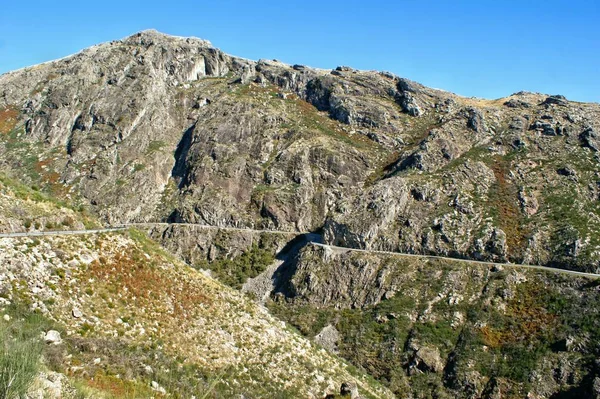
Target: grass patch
[(155, 146), (20, 350), (139, 167)]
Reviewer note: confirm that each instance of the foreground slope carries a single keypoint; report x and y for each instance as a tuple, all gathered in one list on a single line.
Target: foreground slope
[(155, 127), (136, 322)]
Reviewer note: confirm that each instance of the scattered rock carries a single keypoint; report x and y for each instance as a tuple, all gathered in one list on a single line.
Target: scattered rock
[(567, 171), (247, 74), (52, 337), (155, 386), (201, 102), (528, 202), (596, 388), (515, 103), (6, 317), (328, 338), (49, 385), (475, 120), (349, 389), (556, 100), (409, 104), (428, 359), (76, 313), (590, 139), (544, 127)]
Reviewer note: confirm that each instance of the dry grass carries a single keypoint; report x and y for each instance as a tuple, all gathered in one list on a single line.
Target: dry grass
[(528, 319), (505, 201), (140, 283), (8, 119)]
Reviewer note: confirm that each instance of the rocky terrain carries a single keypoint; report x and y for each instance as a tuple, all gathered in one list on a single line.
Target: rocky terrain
[(447, 329), (120, 317), (154, 128)]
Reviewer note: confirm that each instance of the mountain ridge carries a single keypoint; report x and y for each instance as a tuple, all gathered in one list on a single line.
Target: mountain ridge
[(114, 112), (152, 32)]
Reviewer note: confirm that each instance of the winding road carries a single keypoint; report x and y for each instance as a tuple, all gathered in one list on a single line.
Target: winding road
[(61, 232), (336, 249), (342, 250)]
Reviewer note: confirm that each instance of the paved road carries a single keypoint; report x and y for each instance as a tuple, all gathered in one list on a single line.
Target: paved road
[(342, 250), (206, 226), (311, 242), (61, 232)]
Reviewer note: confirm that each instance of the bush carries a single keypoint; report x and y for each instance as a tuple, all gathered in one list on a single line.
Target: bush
[(19, 363), (235, 272)]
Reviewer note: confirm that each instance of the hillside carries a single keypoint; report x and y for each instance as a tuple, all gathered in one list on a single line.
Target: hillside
[(136, 322), (449, 329)]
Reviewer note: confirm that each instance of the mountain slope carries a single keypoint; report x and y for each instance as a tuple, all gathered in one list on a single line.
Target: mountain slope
[(130, 315), (449, 329), (156, 127)]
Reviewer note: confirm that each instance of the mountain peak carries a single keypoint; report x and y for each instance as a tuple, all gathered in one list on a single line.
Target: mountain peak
[(152, 36)]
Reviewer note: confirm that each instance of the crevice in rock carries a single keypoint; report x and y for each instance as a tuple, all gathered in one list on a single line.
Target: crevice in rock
[(179, 172), (289, 256)]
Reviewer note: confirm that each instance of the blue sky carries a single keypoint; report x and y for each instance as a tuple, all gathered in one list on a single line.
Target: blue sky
[(474, 48)]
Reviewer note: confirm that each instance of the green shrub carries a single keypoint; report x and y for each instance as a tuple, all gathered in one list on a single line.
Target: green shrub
[(19, 363), (236, 271)]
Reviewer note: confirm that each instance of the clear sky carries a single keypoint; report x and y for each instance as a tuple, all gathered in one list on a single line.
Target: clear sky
[(483, 48)]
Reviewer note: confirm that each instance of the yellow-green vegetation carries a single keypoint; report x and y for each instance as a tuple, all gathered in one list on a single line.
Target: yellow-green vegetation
[(20, 351), (235, 272), (36, 165), (155, 146), (147, 317), (30, 208)]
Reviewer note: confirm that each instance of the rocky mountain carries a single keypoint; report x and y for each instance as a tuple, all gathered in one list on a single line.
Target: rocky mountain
[(155, 128), (431, 328)]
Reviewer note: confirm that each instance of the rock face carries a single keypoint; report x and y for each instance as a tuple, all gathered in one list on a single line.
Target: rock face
[(328, 338), (155, 127)]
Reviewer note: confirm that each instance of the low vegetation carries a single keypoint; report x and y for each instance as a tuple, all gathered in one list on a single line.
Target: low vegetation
[(507, 331), (20, 350), (236, 271)]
